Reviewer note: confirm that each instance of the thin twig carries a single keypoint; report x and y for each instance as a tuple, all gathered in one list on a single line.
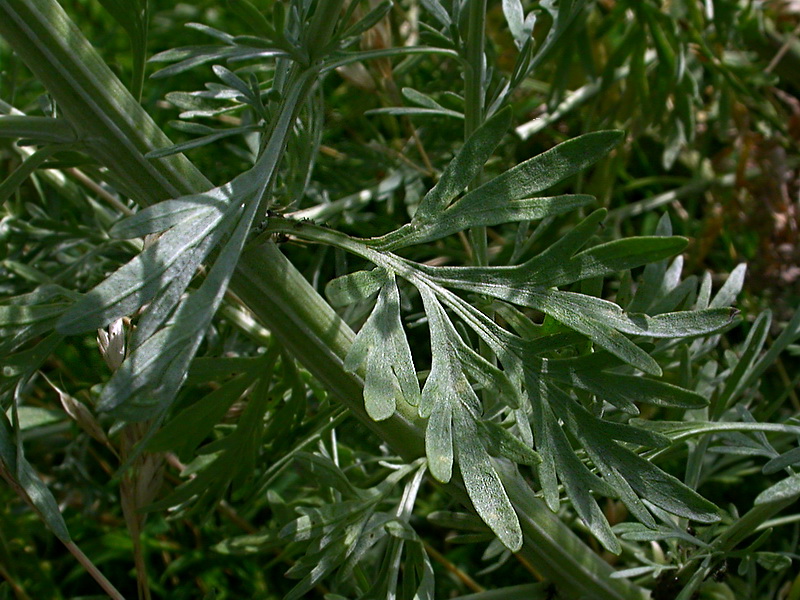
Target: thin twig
[(782, 50), (451, 568), (529, 567), (90, 183), (787, 382), (421, 149), (18, 591), (87, 564)]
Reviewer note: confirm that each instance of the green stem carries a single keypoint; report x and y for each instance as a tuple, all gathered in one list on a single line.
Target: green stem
[(474, 98), (301, 81), (139, 58), (708, 558), (474, 52), (323, 23)]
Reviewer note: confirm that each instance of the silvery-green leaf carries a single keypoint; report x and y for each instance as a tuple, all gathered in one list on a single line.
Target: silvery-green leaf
[(602, 321), (558, 457), (621, 390), (446, 388), (351, 288), (640, 533), (625, 492), (515, 17), (132, 16), (437, 11), (557, 266), (446, 381), (232, 80), (563, 13), (495, 211), (540, 172), (783, 490), (506, 198), (730, 290), (192, 56), (653, 277), (380, 387), (486, 375), (187, 429), (483, 484), (645, 478), (412, 111), (787, 459), (420, 99), (590, 316), (153, 372), (418, 557), (735, 382), (16, 315), (500, 440), (201, 141), (382, 343), (136, 282), (12, 183), (661, 488), (464, 167), (324, 562), (369, 20), (254, 18), (788, 336), (162, 305), (439, 441), (41, 129), (608, 259), (595, 435)]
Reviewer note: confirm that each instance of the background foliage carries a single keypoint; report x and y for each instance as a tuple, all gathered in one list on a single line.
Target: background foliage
[(257, 470)]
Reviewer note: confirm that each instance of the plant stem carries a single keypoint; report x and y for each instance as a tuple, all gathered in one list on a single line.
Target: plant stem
[(139, 58), (323, 23), (474, 99), (475, 66), (71, 546), (18, 591), (87, 564)]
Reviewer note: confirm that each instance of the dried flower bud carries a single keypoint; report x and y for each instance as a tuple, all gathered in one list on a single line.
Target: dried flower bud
[(81, 414), (112, 344)]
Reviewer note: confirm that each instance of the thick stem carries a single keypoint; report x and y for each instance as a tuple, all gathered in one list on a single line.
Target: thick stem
[(474, 99), (474, 54), (323, 23)]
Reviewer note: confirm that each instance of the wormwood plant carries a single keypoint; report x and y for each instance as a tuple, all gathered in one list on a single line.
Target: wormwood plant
[(500, 373)]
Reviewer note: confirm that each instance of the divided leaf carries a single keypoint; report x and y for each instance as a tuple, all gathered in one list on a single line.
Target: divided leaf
[(138, 281), (354, 287), (622, 464), (147, 381), (464, 167), (559, 462), (483, 484), (161, 216), (506, 198), (382, 344), (452, 431)]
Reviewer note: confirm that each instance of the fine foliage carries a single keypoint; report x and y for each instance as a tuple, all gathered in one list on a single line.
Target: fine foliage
[(354, 306)]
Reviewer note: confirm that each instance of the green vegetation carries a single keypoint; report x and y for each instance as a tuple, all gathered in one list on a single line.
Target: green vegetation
[(425, 299)]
